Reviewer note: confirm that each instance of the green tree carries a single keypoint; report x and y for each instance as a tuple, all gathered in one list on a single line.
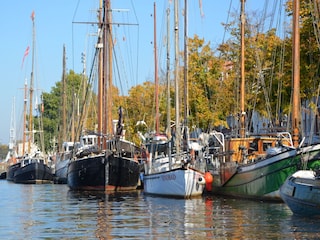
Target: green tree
[(52, 114)]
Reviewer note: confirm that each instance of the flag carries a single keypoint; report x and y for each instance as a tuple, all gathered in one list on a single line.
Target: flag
[(32, 16), (26, 52), (201, 10)]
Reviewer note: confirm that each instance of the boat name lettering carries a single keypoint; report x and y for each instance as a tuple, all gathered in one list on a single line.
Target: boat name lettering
[(169, 177)]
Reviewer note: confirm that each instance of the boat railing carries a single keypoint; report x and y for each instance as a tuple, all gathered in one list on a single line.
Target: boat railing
[(286, 137), (219, 137)]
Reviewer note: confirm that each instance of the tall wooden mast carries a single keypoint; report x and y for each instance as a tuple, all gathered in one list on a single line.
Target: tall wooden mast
[(176, 75), (168, 76), (296, 74), (30, 123), (101, 79), (242, 85), (186, 87), (25, 103), (156, 79), (107, 66), (64, 100)]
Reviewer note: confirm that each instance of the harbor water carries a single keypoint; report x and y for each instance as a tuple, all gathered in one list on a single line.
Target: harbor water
[(52, 211)]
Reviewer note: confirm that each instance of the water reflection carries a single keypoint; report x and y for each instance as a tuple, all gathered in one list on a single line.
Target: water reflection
[(52, 211)]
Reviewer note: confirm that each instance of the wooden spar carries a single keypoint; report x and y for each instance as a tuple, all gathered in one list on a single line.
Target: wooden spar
[(24, 117), (105, 94), (156, 94), (108, 91), (64, 100), (296, 74), (186, 90), (176, 76), (30, 123), (168, 76), (242, 85), (100, 79)]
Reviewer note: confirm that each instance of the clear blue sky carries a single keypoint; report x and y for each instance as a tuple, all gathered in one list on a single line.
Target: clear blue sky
[(55, 26)]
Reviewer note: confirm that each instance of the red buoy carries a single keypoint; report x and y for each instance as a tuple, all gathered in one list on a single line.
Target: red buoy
[(209, 179)]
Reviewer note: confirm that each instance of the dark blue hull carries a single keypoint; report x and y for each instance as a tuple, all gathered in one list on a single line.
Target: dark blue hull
[(33, 173), (11, 170), (302, 195), (102, 173)]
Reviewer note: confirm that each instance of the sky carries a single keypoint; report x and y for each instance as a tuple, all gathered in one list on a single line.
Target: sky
[(70, 23)]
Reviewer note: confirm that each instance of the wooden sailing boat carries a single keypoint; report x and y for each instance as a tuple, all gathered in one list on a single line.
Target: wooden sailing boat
[(104, 162), (33, 165), (256, 166), (167, 172)]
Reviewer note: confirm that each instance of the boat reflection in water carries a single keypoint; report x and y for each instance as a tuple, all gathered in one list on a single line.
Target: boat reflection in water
[(53, 211), (111, 212), (135, 215)]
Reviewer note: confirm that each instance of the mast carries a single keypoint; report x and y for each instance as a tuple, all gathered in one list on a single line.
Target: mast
[(168, 76), (101, 79), (108, 44), (25, 102), (30, 123), (12, 142), (242, 86), (64, 99), (186, 90), (105, 66), (176, 77), (156, 68), (296, 74)]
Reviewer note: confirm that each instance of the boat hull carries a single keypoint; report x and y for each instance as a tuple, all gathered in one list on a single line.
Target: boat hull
[(258, 180), (61, 171), (124, 173), (102, 173), (180, 183), (302, 195), (33, 173), (3, 175), (11, 170)]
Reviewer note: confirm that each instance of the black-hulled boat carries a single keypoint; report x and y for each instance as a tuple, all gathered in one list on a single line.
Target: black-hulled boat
[(33, 166), (105, 161), (3, 175), (95, 170), (32, 170), (11, 170)]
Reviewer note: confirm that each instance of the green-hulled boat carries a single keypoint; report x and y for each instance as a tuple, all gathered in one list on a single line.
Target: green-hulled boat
[(255, 167)]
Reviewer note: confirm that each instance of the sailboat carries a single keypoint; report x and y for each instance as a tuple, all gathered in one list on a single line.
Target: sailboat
[(33, 165), (168, 172), (104, 161), (256, 166)]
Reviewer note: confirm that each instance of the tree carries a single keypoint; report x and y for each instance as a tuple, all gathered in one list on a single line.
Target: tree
[(52, 114)]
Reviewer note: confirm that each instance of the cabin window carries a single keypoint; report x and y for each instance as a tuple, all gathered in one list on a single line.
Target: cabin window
[(266, 145), (254, 145)]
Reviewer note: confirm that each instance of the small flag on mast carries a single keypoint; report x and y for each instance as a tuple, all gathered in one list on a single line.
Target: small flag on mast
[(32, 16), (26, 52)]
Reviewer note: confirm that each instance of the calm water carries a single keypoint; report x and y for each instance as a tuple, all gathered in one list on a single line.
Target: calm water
[(53, 212)]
